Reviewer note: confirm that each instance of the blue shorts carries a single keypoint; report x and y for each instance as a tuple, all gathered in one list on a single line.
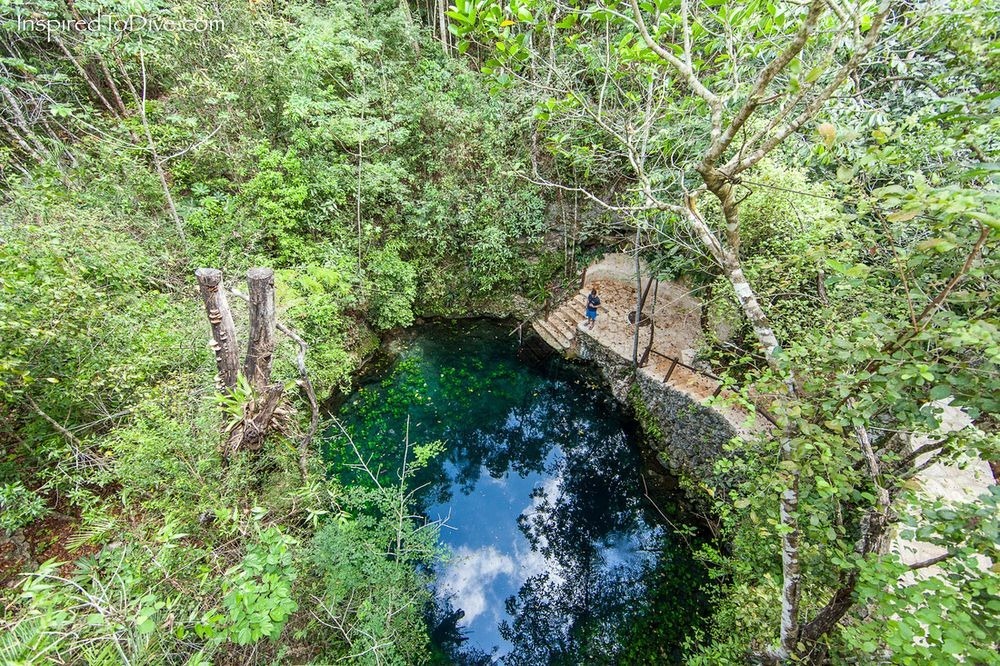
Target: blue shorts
[(592, 314)]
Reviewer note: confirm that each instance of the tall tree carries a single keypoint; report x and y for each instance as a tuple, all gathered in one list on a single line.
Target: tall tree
[(682, 99)]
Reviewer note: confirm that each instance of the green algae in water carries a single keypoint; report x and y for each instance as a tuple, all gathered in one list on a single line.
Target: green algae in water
[(556, 555)]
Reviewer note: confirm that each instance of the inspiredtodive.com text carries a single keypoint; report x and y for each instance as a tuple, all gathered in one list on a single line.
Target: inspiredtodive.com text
[(116, 24)]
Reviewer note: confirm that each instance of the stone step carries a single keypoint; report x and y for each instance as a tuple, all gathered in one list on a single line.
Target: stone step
[(553, 337), (568, 317), (565, 341), (545, 335), (556, 323)]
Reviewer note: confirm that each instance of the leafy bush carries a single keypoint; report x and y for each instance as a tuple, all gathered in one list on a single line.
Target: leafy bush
[(315, 298), (19, 506), (393, 288), (275, 198), (112, 609), (370, 581), (166, 458), (258, 591)]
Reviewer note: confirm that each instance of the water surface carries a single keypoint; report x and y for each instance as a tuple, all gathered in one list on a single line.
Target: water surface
[(556, 554)]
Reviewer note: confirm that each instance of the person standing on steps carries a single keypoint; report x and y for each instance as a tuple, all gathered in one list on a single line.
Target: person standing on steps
[(593, 300)]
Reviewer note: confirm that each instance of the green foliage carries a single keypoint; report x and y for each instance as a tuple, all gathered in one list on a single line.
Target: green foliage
[(380, 598), (393, 289), (166, 457), (371, 565), (109, 610), (275, 199), (924, 618), (258, 591), (315, 298), (19, 507)]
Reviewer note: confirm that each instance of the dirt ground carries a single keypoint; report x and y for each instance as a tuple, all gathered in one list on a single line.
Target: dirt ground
[(677, 334)]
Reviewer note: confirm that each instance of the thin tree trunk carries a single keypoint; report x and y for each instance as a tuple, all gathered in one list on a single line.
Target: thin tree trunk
[(751, 308), (821, 286), (157, 164), (224, 342), (874, 539), (638, 300), (115, 95), (307, 387), (442, 7), (791, 572), (261, 343), (561, 203), (357, 194), (404, 7), (151, 147), (728, 259), (576, 222)]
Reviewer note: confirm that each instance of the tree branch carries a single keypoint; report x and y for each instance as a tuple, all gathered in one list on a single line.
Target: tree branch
[(736, 165), (686, 71), (764, 79), (931, 561)]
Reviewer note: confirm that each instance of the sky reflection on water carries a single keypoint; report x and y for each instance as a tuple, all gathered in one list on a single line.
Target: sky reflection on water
[(553, 545)]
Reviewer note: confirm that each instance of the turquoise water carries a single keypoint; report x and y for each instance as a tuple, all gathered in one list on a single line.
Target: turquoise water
[(556, 553)]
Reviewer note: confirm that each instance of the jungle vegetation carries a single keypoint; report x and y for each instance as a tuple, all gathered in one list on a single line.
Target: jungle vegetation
[(823, 173)]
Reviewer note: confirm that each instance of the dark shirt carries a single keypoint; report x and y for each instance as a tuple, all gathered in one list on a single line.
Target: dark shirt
[(593, 301)]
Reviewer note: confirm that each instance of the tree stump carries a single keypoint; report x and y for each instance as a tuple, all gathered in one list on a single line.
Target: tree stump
[(260, 350), (224, 342)]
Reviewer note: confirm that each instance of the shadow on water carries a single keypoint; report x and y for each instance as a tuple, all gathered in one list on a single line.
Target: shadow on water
[(556, 555)]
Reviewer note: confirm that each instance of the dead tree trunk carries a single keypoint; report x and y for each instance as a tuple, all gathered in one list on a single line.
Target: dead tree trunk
[(305, 384), (260, 349), (258, 413), (224, 342)]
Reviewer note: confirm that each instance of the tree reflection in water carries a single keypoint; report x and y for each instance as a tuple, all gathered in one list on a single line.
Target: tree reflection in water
[(556, 555)]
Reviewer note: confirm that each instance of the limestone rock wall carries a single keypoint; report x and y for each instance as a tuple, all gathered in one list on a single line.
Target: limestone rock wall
[(689, 436)]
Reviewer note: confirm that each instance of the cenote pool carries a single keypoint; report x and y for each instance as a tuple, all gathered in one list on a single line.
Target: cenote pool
[(555, 554)]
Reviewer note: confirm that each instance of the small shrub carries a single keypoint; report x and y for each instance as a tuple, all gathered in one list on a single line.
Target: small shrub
[(19, 506), (394, 286), (258, 591)]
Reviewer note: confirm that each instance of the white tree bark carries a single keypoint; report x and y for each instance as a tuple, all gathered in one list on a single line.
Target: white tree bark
[(443, 18), (791, 572)]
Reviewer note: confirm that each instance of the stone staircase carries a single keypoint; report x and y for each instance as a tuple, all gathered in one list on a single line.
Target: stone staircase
[(677, 317), (559, 328)]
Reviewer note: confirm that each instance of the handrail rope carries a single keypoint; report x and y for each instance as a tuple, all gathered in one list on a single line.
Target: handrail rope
[(685, 365), (757, 408)]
